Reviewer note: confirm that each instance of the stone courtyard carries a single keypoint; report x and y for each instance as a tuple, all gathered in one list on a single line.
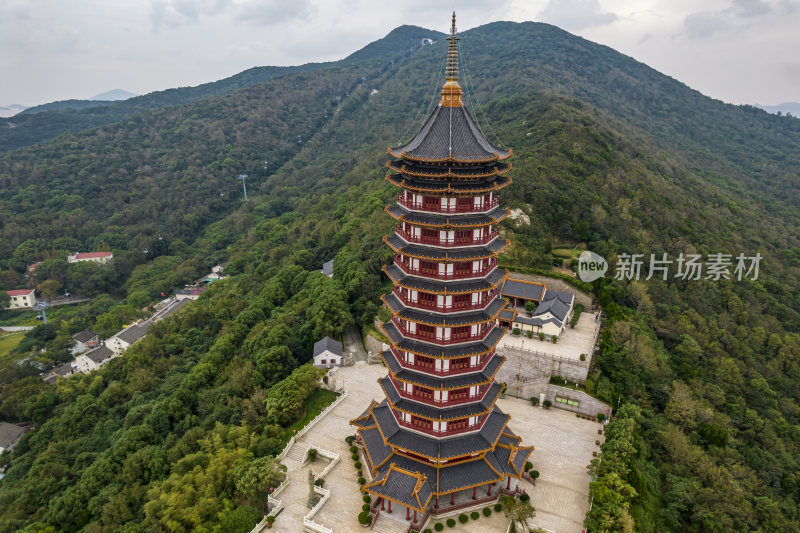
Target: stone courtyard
[(564, 446), (571, 344)]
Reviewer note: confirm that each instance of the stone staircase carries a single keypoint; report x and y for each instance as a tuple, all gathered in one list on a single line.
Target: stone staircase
[(296, 452), (384, 524)]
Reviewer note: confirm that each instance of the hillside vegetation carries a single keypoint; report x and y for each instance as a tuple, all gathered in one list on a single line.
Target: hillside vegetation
[(608, 152)]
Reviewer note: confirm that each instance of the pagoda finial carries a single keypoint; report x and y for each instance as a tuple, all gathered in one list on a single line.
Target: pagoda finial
[(451, 92)]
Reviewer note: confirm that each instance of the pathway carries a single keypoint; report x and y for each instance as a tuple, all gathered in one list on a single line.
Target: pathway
[(351, 341)]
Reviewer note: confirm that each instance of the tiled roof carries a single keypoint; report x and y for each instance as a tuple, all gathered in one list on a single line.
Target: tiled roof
[(522, 289), (455, 186), (19, 292), (449, 320), (326, 343), (133, 333), (9, 434), (92, 255), (405, 487), (456, 220), (556, 303), (100, 354), (85, 335), (452, 287), (449, 132), (456, 381)]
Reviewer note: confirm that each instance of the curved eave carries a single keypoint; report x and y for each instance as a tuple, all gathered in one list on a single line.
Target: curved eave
[(417, 284), (479, 407), (465, 255), (436, 220), (407, 170), (439, 351), (480, 377), (399, 181), (488, 314), (394, 152)]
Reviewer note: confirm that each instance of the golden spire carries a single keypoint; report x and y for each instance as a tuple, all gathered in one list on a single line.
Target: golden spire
[(451, 92)]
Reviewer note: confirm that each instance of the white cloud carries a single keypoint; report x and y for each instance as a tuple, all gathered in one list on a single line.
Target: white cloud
[(576, 14)]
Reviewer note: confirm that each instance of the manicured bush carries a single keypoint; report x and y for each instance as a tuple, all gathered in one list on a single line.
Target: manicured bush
[(547, 404), (555, 339), (535, 475), (270, 520), (367, 498), (487, 511), (438, 526), (364, 518), (601, 417), (451, 522), (582, 357), (534, 401), (474, 515), (349, 439), (358, 465), (361, 481), (541, 336), (427, 530), (359, 473), (524, 498), (365, 507), (463, 518), (353, 449), (515, 331), (355, 457), (498, 507), (530, 334), (530, 307), (312, 454), (528, 465), (319, 482)]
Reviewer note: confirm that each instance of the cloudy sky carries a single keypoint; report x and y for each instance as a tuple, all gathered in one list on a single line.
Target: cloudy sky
[(740, 51)]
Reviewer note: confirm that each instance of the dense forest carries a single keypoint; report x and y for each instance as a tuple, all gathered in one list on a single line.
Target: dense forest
[(704, 373)]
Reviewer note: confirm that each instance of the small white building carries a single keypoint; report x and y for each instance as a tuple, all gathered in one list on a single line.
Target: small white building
[(327, 353), (62, 371), (9, 435), (94, 359), (97, 257), (189, 293), (327, 268), (122, 340), (21, 299), (84, 340), (550, 317)]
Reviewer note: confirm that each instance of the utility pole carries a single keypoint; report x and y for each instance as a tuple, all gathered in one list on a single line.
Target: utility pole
[(243, 177)]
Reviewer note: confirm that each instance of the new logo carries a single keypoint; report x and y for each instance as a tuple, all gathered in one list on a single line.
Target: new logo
[(591, 266)]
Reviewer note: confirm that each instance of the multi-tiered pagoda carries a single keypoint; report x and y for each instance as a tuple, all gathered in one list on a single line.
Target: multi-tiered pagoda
[(438, 440)]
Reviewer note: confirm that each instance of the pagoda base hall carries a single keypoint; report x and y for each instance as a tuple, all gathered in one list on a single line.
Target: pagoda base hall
[(437, 443)]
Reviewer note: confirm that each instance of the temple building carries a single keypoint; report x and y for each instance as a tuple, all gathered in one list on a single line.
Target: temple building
[(438, 442)]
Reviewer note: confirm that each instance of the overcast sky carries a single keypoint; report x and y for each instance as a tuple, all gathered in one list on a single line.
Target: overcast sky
[(740, 51)]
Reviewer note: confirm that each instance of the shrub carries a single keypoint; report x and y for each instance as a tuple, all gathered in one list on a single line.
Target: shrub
[(601, 417), (319, 482), (474, 515), (530, 334), (270, 520), (530, 307), (367, 498), (555, 339), (312, 454), (582, 357), (358, 465), (487, 511), (355, 457), (463, 518), (427, 530), (534, 475), (547, 404), (354, 449), (365, 507), (515, 331), (451, 522), (359, 473), (498, 507), (534, 401), (439, 526), (541, 336), (349, 439), (524, 498), (364, 518), (361, 481)]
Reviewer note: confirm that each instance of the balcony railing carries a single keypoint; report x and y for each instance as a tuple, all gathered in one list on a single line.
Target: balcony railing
[(435, 274), (455, 368), (427, 426), (454, 307), (436, 207), (455, 338), (446, 243), (457, 400)]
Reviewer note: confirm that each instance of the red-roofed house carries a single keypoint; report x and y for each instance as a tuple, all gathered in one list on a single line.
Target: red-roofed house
[(97, 257), (21, 299)]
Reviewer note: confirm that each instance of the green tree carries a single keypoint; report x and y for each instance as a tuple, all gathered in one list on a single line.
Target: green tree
[(256, 478)]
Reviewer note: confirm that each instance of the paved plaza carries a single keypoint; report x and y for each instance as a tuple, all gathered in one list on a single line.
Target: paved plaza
[(563, 443), (571, 344)]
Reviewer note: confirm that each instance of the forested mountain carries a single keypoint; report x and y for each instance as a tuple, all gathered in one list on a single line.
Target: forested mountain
[(607, 151), (40, 123)]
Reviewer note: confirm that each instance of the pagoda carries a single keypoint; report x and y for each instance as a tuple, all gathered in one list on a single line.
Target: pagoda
[(438, 442)]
